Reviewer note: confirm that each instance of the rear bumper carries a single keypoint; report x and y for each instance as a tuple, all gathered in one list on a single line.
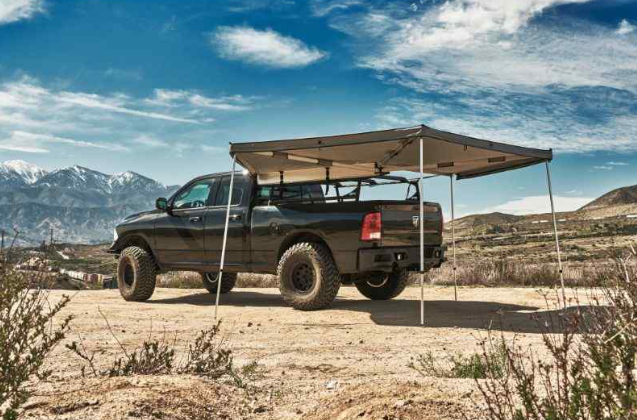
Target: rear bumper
[(403, 258)]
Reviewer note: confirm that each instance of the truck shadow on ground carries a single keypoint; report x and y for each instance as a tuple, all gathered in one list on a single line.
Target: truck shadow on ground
[(480, 315)]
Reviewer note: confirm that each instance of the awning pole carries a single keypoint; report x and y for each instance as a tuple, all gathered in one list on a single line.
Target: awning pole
[(225, 236), (453, 242), (421, 224), (557, 238)]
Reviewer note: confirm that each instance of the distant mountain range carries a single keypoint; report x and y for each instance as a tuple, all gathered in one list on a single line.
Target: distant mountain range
[(616, 197), (616, 203), (80, 204)]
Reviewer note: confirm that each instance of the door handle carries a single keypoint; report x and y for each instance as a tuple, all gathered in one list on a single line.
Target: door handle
[(195, 219), (235, 217)]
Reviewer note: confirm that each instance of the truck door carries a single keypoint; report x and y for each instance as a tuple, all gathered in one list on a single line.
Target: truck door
[(216, 219), (179, 235)]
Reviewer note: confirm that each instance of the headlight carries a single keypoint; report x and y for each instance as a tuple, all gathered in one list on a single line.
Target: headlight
[(115, 236)]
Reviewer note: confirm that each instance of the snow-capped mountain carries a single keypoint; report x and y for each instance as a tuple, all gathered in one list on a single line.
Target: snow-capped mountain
[(18, 173), (81, 204)]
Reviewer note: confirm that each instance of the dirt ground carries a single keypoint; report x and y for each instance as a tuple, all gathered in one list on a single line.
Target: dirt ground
[(347, 362)]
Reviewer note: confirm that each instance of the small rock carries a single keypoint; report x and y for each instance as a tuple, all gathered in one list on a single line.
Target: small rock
[(401, 403), (333, 384), (249, 324)]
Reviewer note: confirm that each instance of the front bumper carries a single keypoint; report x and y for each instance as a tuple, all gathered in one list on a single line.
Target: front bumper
[(402, 258)]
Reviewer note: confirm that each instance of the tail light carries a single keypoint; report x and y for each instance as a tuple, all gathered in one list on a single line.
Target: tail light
[(372, 227)]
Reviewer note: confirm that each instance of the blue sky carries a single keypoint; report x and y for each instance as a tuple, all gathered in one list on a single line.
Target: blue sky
[(161, 87)]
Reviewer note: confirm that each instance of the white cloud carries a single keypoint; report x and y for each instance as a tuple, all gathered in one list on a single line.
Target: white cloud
[(15, 10), (267, 48), (547, 122), (467, 45), (150, 141), (617, 163), (322, 8), (30, 102), (603, 168), (625, 28), (173, 98), (539, 204), (113, 104), (22, 141)]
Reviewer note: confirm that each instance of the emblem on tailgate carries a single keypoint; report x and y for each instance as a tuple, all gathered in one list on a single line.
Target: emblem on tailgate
[(414, 221)]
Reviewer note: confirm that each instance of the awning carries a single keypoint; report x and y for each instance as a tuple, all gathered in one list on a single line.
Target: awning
[(379, 152)]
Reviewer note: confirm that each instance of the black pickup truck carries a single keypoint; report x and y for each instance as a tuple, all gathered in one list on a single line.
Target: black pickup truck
[(315, 237)]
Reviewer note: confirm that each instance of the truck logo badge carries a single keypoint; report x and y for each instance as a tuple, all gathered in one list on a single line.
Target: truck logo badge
[(414, 221)]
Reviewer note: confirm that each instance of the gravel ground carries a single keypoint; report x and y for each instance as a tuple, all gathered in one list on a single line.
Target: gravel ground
[(350, 361)]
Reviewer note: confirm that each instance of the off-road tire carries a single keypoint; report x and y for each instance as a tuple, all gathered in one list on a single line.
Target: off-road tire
[(374, 289), (136, 274), (227, 282), (316, 260)]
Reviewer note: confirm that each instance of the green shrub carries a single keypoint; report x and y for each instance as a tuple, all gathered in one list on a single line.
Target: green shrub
[(474, 366)]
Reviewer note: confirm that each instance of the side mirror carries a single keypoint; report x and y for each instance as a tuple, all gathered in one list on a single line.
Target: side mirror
[(161, 204)]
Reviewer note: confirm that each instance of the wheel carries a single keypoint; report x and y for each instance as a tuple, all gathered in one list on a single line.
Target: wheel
[(136, 274), (227, 282), (308, 276), (383, 286)]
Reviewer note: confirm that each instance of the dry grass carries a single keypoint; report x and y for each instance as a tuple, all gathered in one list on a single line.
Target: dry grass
[(492, 272), (191, 280)]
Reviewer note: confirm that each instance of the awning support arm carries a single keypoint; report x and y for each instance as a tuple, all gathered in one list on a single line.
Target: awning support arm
[(421, 224), (225, 236), (453, 241), (557, 238), (395, 152)]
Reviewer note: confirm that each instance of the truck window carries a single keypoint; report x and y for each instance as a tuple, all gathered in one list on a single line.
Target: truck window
[(238, 188), (194, 196), (309, 192)]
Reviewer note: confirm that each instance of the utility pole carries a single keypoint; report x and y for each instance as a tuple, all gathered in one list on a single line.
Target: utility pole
[(51, 241), (2, 244)]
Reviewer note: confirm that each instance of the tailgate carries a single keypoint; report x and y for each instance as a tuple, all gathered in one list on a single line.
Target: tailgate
[(401, 228)]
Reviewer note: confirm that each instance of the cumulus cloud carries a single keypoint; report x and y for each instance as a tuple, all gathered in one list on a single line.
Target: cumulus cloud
[(15, 10), (625, 27), (539, 204), (266, 48)]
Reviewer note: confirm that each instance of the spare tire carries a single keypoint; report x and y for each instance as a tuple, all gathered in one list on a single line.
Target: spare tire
[(228, 281), (383, 286)]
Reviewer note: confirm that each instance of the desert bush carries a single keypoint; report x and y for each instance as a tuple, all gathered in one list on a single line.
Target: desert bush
[(507, 271), (27, 335), (207, 356), (473, 366), (590, 369)]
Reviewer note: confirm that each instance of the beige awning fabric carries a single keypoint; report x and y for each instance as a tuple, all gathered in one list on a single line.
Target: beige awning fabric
[(373, 153)]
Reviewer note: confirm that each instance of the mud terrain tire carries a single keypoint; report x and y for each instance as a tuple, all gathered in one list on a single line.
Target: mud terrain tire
[(383, 288), (308, 276), (228, 281), (136, 274)]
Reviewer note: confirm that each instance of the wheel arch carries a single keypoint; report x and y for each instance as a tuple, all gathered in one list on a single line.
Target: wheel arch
[(298, 237), (136, 240)]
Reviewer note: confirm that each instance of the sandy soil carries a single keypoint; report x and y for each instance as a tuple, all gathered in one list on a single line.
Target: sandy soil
[(350, 361)]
